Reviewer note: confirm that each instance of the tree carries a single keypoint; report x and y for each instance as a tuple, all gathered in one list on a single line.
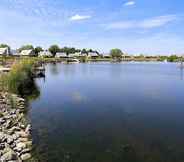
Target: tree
[(4, 46), (68, 50), (84, 51), (173, 58), (26, 47), (90, 50), (54, 49), (37, 50), (116, 53)]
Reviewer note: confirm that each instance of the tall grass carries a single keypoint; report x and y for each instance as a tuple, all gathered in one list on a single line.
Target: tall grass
[(19, 79)]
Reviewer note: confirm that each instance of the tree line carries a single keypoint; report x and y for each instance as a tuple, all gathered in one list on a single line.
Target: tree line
[(53, 49), (114, 53)]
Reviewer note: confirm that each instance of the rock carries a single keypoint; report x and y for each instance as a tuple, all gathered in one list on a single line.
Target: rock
[(10, 140), (28, 128), (8, 124), (29, 144), (25, 156), (15, 143), (15, 136), (2, 136), (22, 134), (27, 150), (22, 126), (2, 121), (21, 145), (23, 139), (10, 155)]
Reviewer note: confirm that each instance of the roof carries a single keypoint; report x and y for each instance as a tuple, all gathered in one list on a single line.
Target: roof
[(4, 51), (93, 54), (61, 54), (45, 53), (74, 55), (26, 52)]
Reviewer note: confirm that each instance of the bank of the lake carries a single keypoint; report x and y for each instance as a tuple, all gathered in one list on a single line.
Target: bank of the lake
[(16, 86), (109, 112), (15, 135)]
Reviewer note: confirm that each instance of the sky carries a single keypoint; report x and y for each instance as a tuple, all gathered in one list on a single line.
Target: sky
[(135, 26)]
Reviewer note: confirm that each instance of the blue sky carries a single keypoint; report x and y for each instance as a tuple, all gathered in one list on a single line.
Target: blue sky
[(135, 26)]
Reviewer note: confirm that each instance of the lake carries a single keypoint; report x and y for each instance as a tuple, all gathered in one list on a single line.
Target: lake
[(109, 112)]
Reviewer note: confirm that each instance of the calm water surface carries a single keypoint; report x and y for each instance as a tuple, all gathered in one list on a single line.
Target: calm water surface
[(104, 112)]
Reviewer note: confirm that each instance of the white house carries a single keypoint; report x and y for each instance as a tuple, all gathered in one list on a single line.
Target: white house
[(27, 53), (61, 55), (4, 51), (45, 53), (93, 54), (73, 55)]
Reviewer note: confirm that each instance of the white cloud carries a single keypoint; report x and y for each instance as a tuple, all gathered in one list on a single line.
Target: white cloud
[(154, 22), (129, 3), (79, 17), (158, 21)]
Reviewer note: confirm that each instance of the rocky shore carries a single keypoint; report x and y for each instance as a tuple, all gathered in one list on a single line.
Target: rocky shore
[(15, 132)]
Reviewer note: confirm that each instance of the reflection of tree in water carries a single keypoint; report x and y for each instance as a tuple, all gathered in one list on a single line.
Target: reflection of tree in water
[(31, 92)]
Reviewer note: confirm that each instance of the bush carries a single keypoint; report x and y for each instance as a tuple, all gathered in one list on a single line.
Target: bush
[(19, 78)]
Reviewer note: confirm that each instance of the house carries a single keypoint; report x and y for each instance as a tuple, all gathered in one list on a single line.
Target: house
[(29, 53), (61, 55), (4, 51), (81, 54), (107, 56), (93, 55), (45, 53), (126, 57), (74, 55)]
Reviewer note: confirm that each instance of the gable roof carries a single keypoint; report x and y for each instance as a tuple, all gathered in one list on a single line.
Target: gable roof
[(61, 54), (27, 52), (93, 54), (45, 53)]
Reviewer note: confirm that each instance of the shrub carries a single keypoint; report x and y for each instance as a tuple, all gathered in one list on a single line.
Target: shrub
[(19, 78)]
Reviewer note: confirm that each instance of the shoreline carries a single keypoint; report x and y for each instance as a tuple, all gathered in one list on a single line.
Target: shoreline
[(15, 132)]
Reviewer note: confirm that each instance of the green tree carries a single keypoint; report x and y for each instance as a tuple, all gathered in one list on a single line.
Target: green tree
[(4, 46), (68, 50), (84, 51), (37, 50), (90, 50), (116, 53), (54, 49), (26, 47), (173, 58)]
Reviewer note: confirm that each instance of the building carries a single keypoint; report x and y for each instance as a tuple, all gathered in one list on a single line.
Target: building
[(45, 53), (107, 56), (83, 54), (126, 57), (29, 53), (93, 55), (61, 55), (4, 51)]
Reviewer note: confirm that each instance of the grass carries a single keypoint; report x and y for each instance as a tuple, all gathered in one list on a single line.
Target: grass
[(19, 78)]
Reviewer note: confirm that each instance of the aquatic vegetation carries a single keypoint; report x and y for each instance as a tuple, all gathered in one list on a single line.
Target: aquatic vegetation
[(19, 79)]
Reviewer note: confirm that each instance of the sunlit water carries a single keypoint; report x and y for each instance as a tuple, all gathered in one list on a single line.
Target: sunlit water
[(105, 112)]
